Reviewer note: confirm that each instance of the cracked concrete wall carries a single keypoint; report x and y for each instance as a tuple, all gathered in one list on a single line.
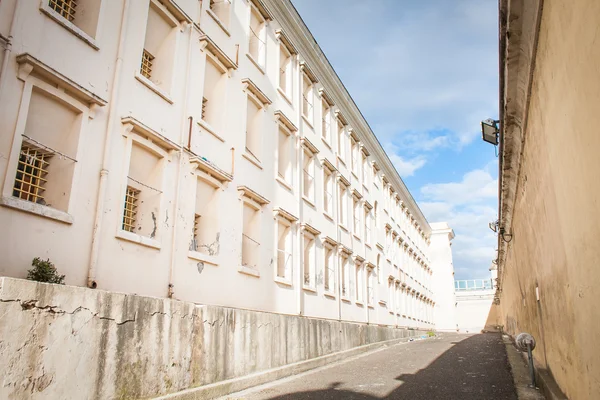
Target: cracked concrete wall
[(70, 342)]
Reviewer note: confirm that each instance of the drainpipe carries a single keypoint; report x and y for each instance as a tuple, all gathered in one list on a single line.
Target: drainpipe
[(8, 49), (339, 258), (112, 107), (170, 288)]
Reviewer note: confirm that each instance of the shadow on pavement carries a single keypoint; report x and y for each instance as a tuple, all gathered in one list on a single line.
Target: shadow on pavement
[(474, 368)]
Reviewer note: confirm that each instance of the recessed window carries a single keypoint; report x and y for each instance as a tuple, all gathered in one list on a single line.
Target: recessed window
[(251, 236), (354, 155), (206, 234), (365, 170), (213, 99), (284, 154), (284, 250), (45, 168), (367, 226), (141, 206), (285, 70), (358, 281), (325, 121), (345, 272), (158, 54), (329, 269), (376, 214), (356, 216), (341, 133), (370, 289), (257, 36), (343, 204), (253, 128), (309, 260), (221, 10), (84, 14), (378, 268), (309, 175), (328, 190), (307, 97)]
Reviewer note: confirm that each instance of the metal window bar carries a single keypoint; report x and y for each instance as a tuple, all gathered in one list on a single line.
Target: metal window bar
[(194, 246), (329, 278), (66, 8), (248, 244), (307, 106), (204, 103), (130, 209), (144, 185), (146, 66), (32, 171), (256, 44)]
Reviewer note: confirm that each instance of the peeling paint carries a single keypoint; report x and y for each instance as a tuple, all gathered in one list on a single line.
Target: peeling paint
[(200, 267)]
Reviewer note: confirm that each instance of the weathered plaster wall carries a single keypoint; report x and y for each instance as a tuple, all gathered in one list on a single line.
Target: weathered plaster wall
[(64, 342), (556, 212)]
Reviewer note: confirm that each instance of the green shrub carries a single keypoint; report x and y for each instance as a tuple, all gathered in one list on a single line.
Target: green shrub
[(44, 271), (430, 333)]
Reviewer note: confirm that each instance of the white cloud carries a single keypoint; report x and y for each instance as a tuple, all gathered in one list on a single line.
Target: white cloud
[(468, 206), (476, 185), (423, 67), (404, 166)]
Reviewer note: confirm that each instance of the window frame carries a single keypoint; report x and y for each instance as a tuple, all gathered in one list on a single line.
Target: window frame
[(85, 114), (289, 221), (133, 133), (91, 40)]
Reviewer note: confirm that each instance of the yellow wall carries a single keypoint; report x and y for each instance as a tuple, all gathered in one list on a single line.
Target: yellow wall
[(556, 216)]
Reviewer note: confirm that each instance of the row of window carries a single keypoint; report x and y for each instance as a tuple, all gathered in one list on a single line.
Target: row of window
[(156, 66)]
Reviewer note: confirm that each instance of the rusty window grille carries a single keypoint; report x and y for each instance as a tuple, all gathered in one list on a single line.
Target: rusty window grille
[(147, 60), (32, 172), (130, 209), (204, 103), (195, 232), (66, 8)]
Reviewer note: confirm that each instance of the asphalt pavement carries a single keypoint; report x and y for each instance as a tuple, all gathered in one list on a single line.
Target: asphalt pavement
[(447, 367)]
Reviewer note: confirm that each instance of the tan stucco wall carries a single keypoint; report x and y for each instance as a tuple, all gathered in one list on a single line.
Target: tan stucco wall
[(556, 213), (65, 342)]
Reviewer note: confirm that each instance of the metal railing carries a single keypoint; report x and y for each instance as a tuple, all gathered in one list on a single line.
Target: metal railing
[(473, 284)]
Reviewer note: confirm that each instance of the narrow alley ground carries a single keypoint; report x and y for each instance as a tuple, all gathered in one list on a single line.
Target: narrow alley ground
[(450, 366)]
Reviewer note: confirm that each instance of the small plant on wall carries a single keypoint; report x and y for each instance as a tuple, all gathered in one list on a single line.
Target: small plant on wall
[(44, 271)]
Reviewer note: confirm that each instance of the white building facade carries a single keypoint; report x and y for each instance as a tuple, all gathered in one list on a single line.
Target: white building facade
[(204, 151)]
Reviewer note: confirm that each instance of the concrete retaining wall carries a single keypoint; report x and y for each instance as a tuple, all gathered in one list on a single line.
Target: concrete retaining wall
[(64, 342)]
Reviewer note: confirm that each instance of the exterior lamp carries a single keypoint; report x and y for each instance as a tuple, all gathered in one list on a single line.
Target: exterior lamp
[(489, 131)]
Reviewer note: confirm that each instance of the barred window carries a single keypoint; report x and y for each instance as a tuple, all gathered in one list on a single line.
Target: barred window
[(32, 173), (66, 8), (146, 67), (130, 209)]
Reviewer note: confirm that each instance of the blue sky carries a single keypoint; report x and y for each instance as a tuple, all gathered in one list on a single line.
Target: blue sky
[(425, 73)]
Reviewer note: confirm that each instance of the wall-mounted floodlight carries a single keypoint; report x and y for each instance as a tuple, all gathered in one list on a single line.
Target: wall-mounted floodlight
[(494, 226), (490, 131)]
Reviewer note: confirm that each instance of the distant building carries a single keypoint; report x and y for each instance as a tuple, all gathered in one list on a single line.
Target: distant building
[(548, 242), (204, 151)]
